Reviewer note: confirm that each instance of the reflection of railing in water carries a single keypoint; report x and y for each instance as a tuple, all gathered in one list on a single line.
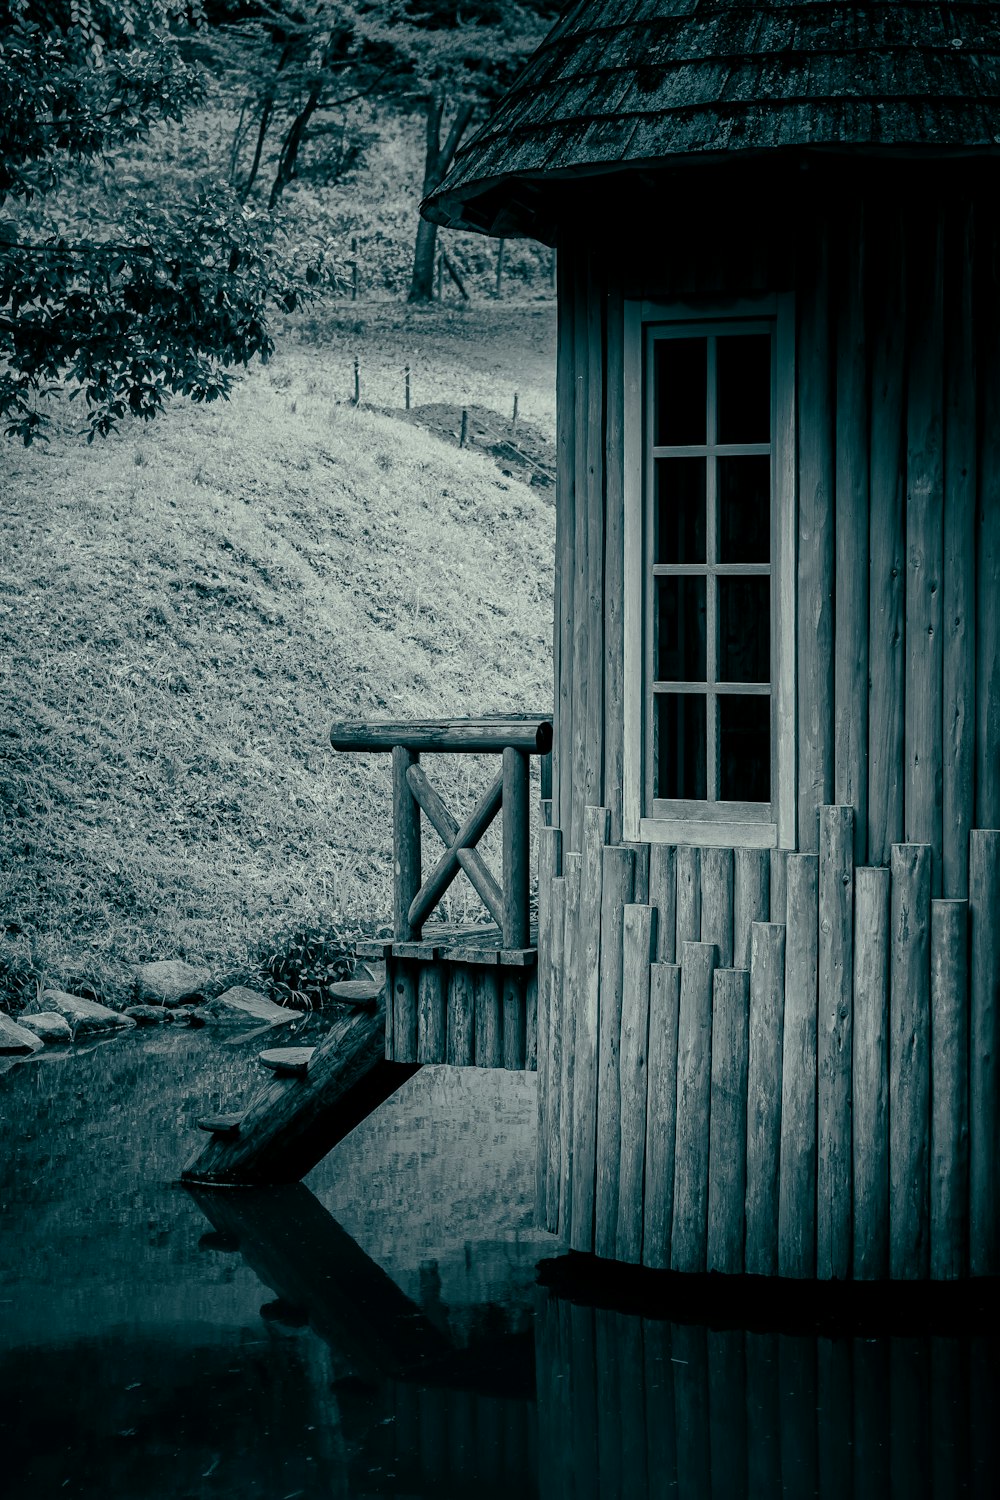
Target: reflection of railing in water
[(515, 738)]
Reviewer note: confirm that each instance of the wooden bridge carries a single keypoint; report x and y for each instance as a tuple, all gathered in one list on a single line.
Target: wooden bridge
[(463, 995)]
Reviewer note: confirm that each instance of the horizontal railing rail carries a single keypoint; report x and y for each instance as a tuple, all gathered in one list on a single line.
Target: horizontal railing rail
[(515, 738)]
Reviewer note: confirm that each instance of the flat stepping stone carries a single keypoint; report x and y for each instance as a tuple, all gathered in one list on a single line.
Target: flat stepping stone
[(220, 1124), (48, 1026), (86, 1017), (240, 1004), (360, 992), (287, 1059)]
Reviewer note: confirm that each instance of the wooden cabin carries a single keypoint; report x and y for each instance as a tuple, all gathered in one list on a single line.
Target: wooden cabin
[(769, 898)]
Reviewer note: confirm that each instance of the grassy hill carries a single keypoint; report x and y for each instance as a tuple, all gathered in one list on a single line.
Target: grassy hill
[(184, 608)]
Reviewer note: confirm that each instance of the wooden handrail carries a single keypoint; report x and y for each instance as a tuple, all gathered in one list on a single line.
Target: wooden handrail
[(516, 738), (530, 732)]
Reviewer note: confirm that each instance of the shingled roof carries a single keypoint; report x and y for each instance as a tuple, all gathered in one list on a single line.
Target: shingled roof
[(619, 83)]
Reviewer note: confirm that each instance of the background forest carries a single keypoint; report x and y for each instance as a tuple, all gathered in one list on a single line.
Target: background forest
[(186, 603)]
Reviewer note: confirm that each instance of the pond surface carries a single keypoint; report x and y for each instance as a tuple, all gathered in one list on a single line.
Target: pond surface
[(379, 1330)]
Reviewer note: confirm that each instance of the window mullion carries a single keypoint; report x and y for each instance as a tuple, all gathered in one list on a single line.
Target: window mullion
[(711, 586)]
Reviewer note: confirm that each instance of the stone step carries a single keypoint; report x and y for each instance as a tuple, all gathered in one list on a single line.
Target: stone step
[(362, 993), (220, 1124), (287, 1059)]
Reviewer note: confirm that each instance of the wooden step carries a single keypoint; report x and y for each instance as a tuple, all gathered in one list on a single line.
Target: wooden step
[(220, 1124), (287, 1059), (362, 993)]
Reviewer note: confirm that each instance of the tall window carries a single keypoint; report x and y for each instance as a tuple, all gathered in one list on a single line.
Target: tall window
[(709, 531)]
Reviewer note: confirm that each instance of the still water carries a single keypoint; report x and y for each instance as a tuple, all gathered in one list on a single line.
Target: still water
[(379, 1329)]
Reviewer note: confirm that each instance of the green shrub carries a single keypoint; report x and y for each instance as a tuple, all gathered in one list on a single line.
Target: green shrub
[(297, 966)]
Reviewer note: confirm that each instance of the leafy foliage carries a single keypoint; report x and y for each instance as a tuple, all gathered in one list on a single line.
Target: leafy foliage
[(146, 298), (298, 966)]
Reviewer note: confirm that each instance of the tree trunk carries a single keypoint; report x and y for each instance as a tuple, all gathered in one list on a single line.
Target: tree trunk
[(437, 160)]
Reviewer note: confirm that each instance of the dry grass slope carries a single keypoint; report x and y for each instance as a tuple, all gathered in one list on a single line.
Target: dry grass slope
[(182, 612)]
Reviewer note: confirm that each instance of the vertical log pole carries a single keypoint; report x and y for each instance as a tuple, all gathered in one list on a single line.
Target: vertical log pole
[(595, 835), (988, 549), (562, 642), (572, 945), (614, 559), (593, 665), (688, 898), (516, 849), (924, 542), (887, 547), (663, 895), (909, 1062), (582, 684), (661, 1114), (488, 1049), (513, 1005), (797, 1179), (778, 881), (694, 1089), (870, 1074), (959, 602), (431, 1001), (549, 866), (984, 1076), (833, 1099), (727, 1151), (460, 1044), (767, 1012), (556, 1028), (851, 503), (405, 844), (816, 546), (949, 1089), (717, 902), (404, 1013), (616, 892), (751, 900), (638, 952)]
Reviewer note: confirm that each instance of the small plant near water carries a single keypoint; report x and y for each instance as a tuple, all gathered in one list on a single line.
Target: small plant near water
[(297, 966)]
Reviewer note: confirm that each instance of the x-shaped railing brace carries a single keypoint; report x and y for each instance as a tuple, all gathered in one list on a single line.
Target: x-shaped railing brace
[(460, 851)]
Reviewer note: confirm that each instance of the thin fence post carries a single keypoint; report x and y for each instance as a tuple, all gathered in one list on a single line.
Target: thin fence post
[(405, 842), (513, 419), (354, 270), (357, 381), (406, 373), (464, 438)]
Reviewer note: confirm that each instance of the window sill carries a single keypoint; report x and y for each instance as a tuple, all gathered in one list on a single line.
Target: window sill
[(708, 832)]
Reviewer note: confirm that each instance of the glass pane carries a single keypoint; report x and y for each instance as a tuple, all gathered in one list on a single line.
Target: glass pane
[(743, 384), (744, 748), (744, 508), (679, 759), (680, 510), (744, 629), (680, 654), (681, 391)]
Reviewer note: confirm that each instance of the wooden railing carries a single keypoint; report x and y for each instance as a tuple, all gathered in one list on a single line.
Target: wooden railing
[(515, 739)]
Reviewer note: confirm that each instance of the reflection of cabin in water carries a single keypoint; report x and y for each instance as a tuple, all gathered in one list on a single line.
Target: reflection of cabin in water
[(768, 952)]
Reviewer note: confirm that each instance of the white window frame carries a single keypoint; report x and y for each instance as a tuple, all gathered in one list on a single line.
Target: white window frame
[(755, 825)]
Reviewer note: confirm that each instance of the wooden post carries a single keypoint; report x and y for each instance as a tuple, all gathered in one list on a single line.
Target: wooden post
[(694, 1086), (616, 892), (513, 1008), (513, 418), (909, 1062), (767, 1014), (530, 1022), (717, 902), (440, 277), (516, 849), (924, 542), (562, 638), (797, 1179), (463, 436), (549, 866), (553, 1115), (572, 944), (614, 555), (404, 1013), (887, 545), (778, 883), (406, 844), (661, 1114), (816, 547), (987, 730), (594, 596), (751, 899), (949, 1088), (406, 386), (355, 281), (460, 1045), (663, 895), (431, 1007), (870, 1074), (833, 1100), (357, 381), (638, 952), (984, 1031), (688, 897), (959, 591), (595, 834), (488, 1038), (727, 1153)]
